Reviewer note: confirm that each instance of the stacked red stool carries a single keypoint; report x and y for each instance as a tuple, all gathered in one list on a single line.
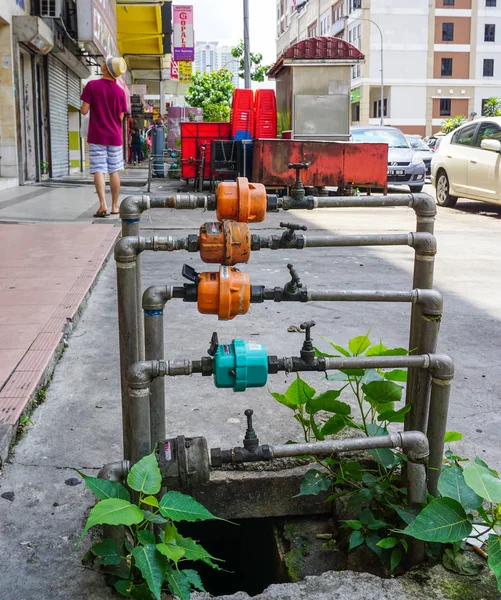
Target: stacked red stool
[(265, 114), (242, 115)]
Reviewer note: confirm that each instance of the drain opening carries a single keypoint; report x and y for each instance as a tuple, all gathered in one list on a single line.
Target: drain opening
[(248, 550)]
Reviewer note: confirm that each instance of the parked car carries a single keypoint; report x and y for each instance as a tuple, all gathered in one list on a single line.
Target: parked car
[(433, 142), (422, 150), (405, 167), (468, 163)]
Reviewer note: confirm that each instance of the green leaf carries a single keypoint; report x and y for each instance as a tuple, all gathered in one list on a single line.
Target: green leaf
[(376, 350), (396, 375), (145, 476), (358, 345), (152, 567), (194, 551), (320, 353), (299, 392), (371, 375), (372, 541), (395, 558), (113, 511), (340, 349), (388, 542), (334, 425), (316, 431), (453, 485), (145, 536), (178, 583), (181, 507), (443, 520), (385, 457), (353, 470), (337, 376), (356, 539), (483, 482), (453, 436), (353, 524), (194, 578), (407, 512), (395, 416), (494, 560), (458, 562), (150, 501), (313, 483), (131, 590), (328, 401), (404, 543), (373, 429), (395, 352), (103, 488), (382, 392), (172, 552), (108, 552)]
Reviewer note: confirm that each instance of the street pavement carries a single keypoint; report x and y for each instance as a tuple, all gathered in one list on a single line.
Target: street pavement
[(43, 503)]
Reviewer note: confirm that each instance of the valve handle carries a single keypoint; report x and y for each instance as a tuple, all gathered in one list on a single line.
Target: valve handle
[(251, 441), (214, 343), (190, 274), (307, 327), (294, 227), (294, 276), (299, 166)]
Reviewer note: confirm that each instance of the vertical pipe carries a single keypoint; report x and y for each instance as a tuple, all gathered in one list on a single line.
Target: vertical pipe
[(247, 62), (132, 227), (437, 424), (154, 350), (128, 339), (140, 444), (416, 477)]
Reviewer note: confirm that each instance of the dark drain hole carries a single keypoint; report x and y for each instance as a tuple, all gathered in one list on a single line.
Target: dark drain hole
[(248, 550)]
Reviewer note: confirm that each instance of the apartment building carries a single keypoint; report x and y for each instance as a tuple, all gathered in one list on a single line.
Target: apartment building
[(441, 58), (210, 56)]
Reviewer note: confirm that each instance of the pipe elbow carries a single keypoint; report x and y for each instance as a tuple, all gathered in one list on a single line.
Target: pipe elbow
[(141, 374), (441, 366), (424, 205), (128, 248), (115, 471), (133, 207), (431, 302), (156, 297), (423, 243), (415, 444)]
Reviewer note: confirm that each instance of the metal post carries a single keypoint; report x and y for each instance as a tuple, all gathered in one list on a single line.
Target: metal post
[(132, 227), (247, 63), (140, 444), (382, 74), (437, 424), (154, 350)]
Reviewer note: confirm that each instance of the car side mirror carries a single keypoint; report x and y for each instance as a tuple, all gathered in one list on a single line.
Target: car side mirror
[(492, 145)]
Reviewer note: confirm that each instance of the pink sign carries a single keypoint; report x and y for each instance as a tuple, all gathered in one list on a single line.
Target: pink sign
[(184, 40)]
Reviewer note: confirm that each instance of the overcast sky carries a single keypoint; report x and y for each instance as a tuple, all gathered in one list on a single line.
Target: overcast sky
[(222, 21)]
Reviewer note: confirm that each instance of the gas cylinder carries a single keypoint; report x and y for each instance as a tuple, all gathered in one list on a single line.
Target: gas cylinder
[(226, 243), (241, 201)]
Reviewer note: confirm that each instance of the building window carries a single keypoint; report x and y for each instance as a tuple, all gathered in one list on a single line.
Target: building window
[(376, 108), (448, 2), (445, 107), (490, 2), (324, 23), (446, 67), (447, 32), (312, 30), (337, 11), (490, 33), (488, 67), (355, 4)]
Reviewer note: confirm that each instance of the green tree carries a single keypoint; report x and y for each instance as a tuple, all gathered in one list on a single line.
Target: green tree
[(213, 93), (492, 107), (449, 125), (258, 71)]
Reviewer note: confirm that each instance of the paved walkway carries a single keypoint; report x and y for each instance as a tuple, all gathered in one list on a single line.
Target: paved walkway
[(46, 272)]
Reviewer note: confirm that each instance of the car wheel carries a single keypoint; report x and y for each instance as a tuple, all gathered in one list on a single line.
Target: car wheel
[(443, 196), (415, 189)]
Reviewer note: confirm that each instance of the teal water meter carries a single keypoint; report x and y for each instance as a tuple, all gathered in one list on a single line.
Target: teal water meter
[(239, 365)]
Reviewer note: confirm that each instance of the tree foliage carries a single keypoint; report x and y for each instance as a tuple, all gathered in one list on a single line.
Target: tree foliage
[(258, 71), (213, 93), (452, 123), (492, 107)]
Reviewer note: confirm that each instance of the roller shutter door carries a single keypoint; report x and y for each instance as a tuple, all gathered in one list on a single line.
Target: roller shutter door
[(58, 117)]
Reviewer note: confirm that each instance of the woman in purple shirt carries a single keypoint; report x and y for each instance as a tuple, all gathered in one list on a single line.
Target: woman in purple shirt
[(107, 104)]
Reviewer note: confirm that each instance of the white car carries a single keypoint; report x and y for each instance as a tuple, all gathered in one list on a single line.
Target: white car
[(467, 164)]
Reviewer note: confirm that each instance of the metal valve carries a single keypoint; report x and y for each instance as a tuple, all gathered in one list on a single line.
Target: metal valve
[(214, 343), (298, 167), (289, 236), (251, 441), (307, 351), (190, 274), (294, 284)]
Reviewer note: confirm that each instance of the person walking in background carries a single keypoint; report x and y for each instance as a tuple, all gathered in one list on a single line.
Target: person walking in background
[(107, 104), (135, 146)]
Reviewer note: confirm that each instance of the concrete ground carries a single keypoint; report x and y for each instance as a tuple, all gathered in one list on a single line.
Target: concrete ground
[(43, 502)]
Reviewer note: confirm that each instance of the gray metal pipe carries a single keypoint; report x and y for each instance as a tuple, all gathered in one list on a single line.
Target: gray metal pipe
[(133, 207)]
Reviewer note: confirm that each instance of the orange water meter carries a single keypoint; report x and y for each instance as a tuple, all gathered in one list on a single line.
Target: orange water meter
[(225, 294), (226, 243), (241, 201)]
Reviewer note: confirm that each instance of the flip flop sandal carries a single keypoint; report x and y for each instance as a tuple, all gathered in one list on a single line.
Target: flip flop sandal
[(100, 214), (114, 213)]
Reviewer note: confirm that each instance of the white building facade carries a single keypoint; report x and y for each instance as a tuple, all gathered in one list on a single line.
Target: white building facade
[(210, 56), (441, 58)]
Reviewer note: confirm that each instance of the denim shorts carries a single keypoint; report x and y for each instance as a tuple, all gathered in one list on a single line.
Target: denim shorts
[(105, 159)]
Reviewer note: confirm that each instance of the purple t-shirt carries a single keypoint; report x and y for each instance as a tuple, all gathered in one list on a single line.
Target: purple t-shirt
[(107, 102)]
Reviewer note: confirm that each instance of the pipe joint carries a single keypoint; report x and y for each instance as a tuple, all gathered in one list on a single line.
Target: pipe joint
[(425, 244), (115, 471), (423, 205), (165, 244), (141, 374), (128, 248), (441, 367), (157, 296), (431, 302), (415, 445), (132, 207)]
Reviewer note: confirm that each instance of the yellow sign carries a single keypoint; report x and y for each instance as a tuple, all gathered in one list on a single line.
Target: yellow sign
[(185, 71)]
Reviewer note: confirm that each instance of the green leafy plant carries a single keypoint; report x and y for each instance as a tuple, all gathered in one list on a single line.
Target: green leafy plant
[(44, 167), (213, 93), (492, 107), (153, 550), (258, 70), (452, 123)]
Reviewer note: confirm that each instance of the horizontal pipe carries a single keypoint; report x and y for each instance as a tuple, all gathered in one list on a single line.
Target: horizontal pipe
[(328, 241), (422, 204), (127, 249), (133, 207)]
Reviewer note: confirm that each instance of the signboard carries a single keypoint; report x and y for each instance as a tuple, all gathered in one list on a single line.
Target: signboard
[(184, 41), (185, 71), (97, 26), (355, 96), (174, 69)]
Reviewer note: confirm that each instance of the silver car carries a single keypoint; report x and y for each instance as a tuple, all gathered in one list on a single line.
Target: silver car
[(422, 150), (405, 166)]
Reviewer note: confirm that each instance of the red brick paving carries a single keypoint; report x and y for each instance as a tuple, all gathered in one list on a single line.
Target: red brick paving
[(45, 273)]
